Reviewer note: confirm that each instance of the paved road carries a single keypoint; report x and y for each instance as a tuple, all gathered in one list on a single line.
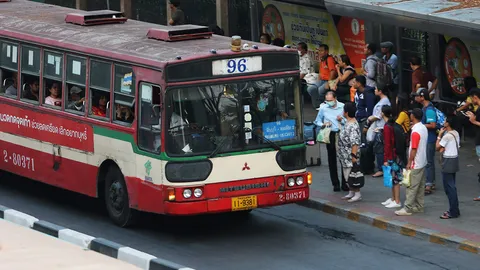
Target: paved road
[(288, 237)]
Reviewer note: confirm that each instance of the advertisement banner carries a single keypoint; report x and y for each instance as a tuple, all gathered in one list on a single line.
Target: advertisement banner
[(461, 58), (46, 128), (296, 23)]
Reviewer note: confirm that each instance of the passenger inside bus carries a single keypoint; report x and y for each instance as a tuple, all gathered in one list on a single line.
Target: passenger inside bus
[(12, 89), (55, 95), (76, 100), (124, 113), (30, 90), (99, 105)]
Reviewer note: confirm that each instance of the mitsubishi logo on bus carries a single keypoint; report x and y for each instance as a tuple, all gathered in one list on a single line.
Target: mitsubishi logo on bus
[(245, 167)]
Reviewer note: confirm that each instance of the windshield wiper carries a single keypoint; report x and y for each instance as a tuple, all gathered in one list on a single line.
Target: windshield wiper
[(274, 145), (219, 146)]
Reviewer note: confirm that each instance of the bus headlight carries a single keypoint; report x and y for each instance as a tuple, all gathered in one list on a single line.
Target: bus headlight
[(187, 193), (198, 192), (291, 182), (299, 181)]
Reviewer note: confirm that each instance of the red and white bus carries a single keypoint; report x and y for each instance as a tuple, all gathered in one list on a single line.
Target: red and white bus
[(169, 120)]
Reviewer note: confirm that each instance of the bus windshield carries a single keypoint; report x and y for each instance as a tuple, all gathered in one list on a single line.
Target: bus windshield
[(210, 119)]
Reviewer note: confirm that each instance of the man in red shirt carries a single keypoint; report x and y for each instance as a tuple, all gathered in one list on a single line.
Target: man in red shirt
[(421, 77), (327, 72)]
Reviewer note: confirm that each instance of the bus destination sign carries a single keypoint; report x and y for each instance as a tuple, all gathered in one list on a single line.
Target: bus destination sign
[(237, 65), (45, 128)]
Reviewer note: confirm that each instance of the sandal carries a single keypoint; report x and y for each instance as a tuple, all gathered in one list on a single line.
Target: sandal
[(477, 199), (446, 216), (429, 191), (377, 174)]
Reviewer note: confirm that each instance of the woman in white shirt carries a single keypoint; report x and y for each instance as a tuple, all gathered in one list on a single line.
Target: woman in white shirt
[(448, 142), (54, 99)]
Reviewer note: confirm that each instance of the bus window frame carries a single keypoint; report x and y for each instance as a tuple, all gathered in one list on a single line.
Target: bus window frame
[(88, 110), (48, 77), (30, 73), (73, 83), (139, 117), (11, 43), (119, 92)]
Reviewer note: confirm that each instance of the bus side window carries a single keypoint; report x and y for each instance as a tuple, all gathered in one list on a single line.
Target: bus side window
[(52, 79), (99, 95), (150, 124), (30, 74), (124, 95), (9, 69), (75, 87)]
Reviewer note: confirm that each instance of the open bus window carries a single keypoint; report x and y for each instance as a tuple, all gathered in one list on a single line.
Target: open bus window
[(124, 97), (75, 91), (100, 76), (149, 132), (53, 93), (52, 74), (232, 117), (9, 65), (30, 73)]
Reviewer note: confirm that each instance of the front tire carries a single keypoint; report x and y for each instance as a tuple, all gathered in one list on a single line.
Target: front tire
[(116, 198)]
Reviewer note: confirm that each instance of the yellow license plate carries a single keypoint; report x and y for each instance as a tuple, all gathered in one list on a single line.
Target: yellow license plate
[(244, 203)]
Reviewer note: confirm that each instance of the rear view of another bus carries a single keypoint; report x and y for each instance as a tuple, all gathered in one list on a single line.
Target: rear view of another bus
[(232, 133)]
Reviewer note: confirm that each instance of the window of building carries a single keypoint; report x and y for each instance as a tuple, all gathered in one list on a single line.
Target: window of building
[(124, 95), (149, 132), (100, 81), (76, 79), (30, 74), (9, 70), (52, 79)]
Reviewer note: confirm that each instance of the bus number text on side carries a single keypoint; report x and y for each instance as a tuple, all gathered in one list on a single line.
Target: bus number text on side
[(237, 65), (19, 160)]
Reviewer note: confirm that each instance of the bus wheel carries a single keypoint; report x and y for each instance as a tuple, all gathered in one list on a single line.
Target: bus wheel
[(116, 198)]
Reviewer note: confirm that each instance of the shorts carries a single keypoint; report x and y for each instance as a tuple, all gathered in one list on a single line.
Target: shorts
[(397, 172)]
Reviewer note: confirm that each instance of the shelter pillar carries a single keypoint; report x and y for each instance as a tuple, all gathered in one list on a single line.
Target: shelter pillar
[(222, 15), (81, 4), (126, 8)]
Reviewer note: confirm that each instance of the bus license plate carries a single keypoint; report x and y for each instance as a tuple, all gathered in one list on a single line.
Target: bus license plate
[(244, 203)]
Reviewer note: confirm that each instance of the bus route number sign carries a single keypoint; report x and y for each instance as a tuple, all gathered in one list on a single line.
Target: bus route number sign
[(237, 65)]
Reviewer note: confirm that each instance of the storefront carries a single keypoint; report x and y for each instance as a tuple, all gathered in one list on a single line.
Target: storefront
[(445, 34)]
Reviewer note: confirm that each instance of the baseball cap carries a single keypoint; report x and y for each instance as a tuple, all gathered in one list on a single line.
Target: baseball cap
[(421, 92), (386, 44), (75, 90)]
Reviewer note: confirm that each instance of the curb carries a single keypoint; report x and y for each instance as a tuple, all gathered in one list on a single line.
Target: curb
[(386, 223), (103, 246)]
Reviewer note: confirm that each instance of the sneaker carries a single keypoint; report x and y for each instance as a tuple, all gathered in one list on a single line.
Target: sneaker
[(393, 204), (355, 199), (387, 202), (402, 212), (347, 197)]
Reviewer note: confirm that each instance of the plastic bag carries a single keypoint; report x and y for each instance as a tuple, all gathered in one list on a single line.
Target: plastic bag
[(406, 178), (324, 135), (387, 176)]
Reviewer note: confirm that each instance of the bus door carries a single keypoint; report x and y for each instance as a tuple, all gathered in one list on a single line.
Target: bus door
[(149, 131)]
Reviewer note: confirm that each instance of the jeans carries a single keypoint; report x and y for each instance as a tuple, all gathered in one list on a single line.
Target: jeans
[(430, 164), (379, 158), (317, 92), (449, 180)]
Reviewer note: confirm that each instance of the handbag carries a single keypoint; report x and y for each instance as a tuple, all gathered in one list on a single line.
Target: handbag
[(450, 165), (387, 176), (356, 179), (323, 135)]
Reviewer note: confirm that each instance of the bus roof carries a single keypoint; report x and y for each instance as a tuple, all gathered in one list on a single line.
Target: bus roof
[(45, 24)]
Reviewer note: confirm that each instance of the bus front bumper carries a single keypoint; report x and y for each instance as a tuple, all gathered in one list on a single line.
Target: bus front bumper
[(229, 204)]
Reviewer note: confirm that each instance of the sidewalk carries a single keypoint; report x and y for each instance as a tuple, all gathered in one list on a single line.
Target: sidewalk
[(461, 233), (23, 248)]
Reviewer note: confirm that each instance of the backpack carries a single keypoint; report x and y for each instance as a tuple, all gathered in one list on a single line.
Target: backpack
[(383, 72), (440, 118), (400, 141)]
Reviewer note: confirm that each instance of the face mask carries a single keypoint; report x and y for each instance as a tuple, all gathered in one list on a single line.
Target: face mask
[(330, 103)]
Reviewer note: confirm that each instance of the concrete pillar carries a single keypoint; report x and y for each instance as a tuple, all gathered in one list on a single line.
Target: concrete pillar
[(81, 4), (126, 8), (169, 12), (222, 15)]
